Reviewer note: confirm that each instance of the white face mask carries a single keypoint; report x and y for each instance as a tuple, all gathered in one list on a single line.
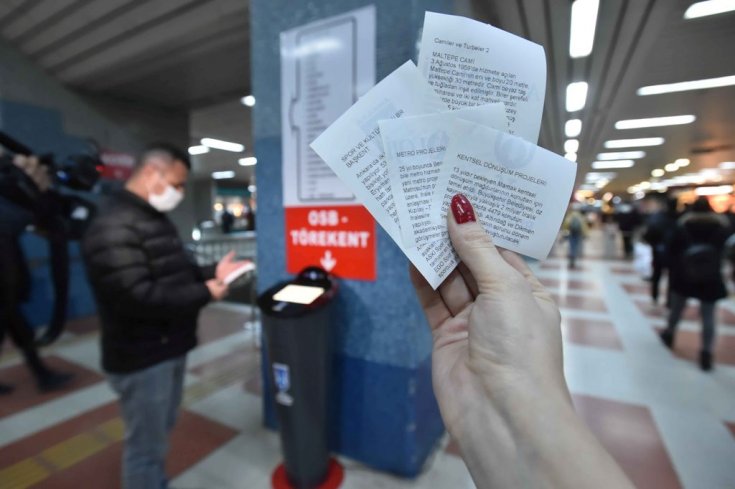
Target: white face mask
[(167, 200)]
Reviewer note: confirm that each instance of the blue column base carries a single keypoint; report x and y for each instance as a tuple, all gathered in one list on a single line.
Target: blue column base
[(383, 416)]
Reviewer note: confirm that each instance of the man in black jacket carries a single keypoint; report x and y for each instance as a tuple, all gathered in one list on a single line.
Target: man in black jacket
[(149, 293)]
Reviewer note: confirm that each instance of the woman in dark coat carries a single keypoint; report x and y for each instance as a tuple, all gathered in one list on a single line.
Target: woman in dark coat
[(695, 254)]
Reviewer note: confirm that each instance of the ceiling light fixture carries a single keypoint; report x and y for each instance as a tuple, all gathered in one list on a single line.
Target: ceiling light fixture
[(222, 175), (582, 34), (571, 145), (658, 172), (248, 100), (248, 161), (727, 165), (655, 122), (595, 176), (671, 167), (198, 150), (723, 81), (707, 8), (632, 143), (682, 162), (624, 155), (576, 96), (223, 145), (573, 128), (605, 165), (571, 157)]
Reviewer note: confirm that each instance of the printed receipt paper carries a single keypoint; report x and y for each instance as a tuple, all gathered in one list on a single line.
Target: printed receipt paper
[(471, 63), (353, 149), (414, 149), (519, 191)]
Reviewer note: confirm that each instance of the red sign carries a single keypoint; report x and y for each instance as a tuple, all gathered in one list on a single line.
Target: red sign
[(339, 239), (118, 166)]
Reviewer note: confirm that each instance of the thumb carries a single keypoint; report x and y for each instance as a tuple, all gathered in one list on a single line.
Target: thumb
[(229, 256), (474, 245)]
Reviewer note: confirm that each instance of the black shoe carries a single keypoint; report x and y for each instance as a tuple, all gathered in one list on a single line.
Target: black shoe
[(667, 338), (52, 381), (705, 360), (6, 389)]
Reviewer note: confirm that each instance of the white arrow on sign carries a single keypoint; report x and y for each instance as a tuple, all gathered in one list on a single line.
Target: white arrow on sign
[(328, 261)]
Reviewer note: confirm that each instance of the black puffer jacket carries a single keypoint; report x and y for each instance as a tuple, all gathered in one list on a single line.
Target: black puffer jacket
[(697, 228), (148, 290)]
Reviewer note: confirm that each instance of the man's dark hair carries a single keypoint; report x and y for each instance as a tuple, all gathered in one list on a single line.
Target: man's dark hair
[(702, 205), (169, 151)]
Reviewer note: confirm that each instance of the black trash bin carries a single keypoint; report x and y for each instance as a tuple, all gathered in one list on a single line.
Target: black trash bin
[(296, 321)]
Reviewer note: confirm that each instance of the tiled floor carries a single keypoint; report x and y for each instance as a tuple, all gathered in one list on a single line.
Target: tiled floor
[(667, 423)]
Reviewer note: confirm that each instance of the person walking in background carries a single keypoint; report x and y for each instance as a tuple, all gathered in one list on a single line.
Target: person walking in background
[(15, 281), (227, 221), (575, 229), (149, 293), (628, 220), (695, 258), (658, 230)]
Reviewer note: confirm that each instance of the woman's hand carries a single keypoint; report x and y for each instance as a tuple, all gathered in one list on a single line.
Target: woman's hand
[(498, 372), (496, 329)]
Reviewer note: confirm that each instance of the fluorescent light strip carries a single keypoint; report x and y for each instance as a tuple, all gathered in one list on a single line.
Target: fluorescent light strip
[(596, 176), (655, 122), (573, 128), (606, 165), (584, 21), (221, 175), (198, 150), (632, 143), (223, 145), (248, 161), (710, 7), (571, 145), (723, 81), (624, 155), (727, 165), (576, 96)]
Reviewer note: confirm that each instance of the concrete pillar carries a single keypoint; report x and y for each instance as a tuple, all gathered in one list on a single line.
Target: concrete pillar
[(385, 414)]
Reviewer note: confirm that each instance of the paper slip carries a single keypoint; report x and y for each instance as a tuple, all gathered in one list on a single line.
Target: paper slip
[(472, 63), (353, 149), (519, 191), (414, 149), (234, 275)]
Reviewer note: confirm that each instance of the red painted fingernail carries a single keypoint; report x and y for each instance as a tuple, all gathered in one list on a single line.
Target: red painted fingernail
[(462, 209)]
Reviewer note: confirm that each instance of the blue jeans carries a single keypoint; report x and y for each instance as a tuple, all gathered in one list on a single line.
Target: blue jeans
[(149, 400)]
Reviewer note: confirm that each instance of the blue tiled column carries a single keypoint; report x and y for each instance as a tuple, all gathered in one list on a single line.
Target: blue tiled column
[(385, 414)]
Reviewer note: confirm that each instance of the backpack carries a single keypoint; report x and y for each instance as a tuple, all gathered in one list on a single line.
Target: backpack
[(701, 262), (575, 225)]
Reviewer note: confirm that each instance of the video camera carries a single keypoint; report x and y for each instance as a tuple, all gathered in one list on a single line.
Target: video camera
[(58, 216)]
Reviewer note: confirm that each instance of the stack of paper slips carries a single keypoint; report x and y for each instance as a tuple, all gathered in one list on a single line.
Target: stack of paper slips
[(465, 121)]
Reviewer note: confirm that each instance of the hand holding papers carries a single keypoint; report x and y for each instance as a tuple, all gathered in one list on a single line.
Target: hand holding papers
[(404, 154)]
